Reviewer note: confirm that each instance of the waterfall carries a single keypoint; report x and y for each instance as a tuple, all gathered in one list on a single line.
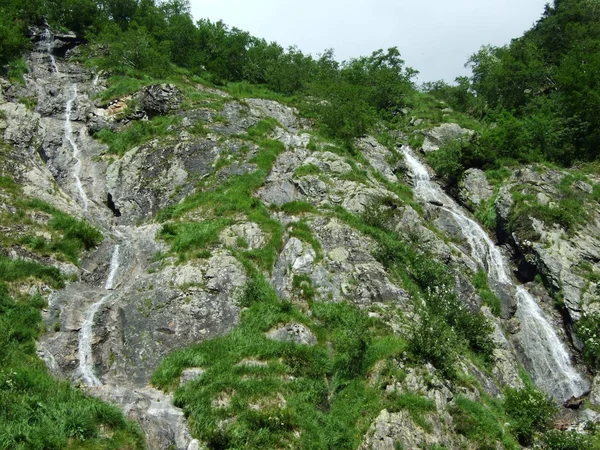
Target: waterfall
[(114, 268), (49, 44), (86, 334), (69, 137), (551, 366), (538, 335)]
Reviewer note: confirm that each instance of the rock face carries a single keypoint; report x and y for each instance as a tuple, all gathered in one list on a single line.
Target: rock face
[(566, 256), (443, 134), (131, 302), (475, 188), (159, 99)]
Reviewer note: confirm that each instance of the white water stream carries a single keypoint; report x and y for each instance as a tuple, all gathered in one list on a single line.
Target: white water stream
[(69, 137), (551, 366), (86, 334), (49, 43)]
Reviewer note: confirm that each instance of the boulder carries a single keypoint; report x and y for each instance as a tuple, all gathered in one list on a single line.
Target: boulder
[(443, 134), (475, 188), (159, 99), (293, 332)]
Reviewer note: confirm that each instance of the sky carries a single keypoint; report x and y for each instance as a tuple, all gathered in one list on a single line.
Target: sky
[(435, 37)]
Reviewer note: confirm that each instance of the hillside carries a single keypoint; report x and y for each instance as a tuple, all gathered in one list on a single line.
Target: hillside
[(210, 257)]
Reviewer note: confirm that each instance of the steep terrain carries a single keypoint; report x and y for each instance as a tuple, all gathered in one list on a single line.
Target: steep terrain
[(283, 291)]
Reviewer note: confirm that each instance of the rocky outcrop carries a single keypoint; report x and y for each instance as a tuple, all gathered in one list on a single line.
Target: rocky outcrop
[(565, 255), (443, 134), (144, 303), (474, 188), (160, 99), (293, 332)]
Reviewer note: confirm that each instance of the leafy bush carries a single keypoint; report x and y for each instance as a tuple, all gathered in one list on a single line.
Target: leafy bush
[(567, 440), (530, 411), (588, 328)]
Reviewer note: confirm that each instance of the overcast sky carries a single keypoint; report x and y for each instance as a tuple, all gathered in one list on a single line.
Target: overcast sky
[(435, 37)]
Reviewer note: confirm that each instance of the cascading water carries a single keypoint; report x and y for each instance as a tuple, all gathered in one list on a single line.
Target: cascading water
[(86, 334), (69, 137), (49, 43), (551, 366)]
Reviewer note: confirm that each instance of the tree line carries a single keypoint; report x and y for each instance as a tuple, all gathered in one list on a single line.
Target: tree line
[(538, 97)]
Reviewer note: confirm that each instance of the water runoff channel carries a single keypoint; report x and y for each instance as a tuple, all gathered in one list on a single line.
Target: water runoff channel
[(551, 366)]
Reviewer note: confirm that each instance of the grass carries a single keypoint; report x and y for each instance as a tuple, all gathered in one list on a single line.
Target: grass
[(327, 402), (242, 90), (417, 406), (480, 282), (307, 169), (481, 423), (137, 133), (298, 207), (228, 201), (18, 269), (302, 231), (186, 236), (37, 411), (44, 230), (569, 209), (73, 237)]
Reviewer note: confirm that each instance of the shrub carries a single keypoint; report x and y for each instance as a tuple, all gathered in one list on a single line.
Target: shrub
[(588, 328), (529, 410)]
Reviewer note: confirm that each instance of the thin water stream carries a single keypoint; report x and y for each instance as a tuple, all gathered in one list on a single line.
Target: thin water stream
[(86, 334), (49, 44), (550, 363), (76, 153)]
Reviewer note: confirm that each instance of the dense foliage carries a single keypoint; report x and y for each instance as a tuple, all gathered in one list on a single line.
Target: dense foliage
[(539, 96), (147, 36)]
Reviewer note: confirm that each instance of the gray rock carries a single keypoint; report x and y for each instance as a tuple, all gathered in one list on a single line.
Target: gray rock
[(243, 235), (443, 134), (378, 157), (393, 429), (159, 99), (595, 392), (189, 375), (475, 188), (163, 424), (293, 332), (285, 115)]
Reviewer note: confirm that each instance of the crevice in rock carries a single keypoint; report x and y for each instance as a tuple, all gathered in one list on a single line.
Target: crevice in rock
[(42, 152), (111, 205)]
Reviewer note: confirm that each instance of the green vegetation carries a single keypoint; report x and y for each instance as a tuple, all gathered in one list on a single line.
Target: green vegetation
[(530, 411), (47, 231), (588, 328), (267, 394), (37, 411), (483, 423), (137, 133), (537, 98), (480, 282)]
